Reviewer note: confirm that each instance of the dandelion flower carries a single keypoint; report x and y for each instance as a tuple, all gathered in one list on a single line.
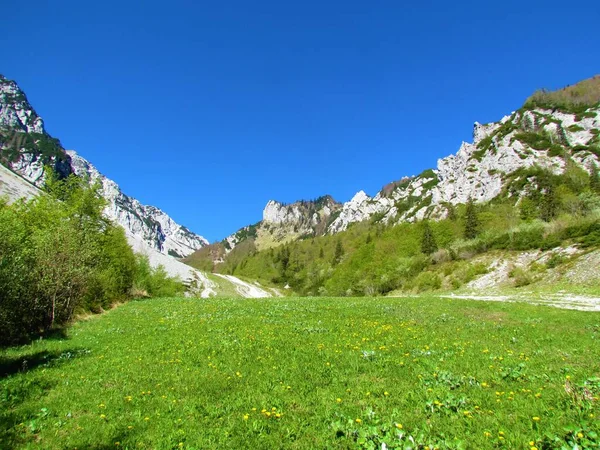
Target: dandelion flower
[(358, 421)]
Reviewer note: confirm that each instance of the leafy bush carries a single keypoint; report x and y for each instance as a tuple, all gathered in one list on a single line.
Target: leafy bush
[(520, 276), (60, 256), (154, 282)]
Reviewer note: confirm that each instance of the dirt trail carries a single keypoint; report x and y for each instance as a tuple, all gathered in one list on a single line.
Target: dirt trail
[(559, 300), (246, 290)]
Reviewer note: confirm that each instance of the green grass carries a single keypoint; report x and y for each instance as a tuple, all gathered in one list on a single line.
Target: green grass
[(308, 373)]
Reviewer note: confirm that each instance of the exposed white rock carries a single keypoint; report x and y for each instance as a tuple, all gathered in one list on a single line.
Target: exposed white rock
[(13, 187), (277, 213), (147, 223), (197, 279), (245, 289), (15, 110), (478, 170), (30, 167)]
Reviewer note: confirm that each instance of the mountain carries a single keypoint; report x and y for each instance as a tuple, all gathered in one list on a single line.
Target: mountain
[(554, 131), (26, 147), (281, 223), (545, 133)]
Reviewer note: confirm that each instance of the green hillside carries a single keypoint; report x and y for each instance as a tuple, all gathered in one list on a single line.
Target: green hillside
[(375, 259)]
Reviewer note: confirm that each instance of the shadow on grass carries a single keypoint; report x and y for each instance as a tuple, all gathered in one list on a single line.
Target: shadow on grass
[(26, 363), (56, 334), (15, 390)]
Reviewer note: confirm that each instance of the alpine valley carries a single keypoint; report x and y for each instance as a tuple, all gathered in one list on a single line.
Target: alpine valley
[(516, 211), (528, 181)]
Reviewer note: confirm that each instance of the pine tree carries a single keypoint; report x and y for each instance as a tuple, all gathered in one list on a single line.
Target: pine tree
[(594, 178), (471, 221), (428, 243), (549, 204), (339, 252), (451, 211)]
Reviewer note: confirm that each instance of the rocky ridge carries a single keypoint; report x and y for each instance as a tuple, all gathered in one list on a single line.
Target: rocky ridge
[(542, 133), (283, 223), (26, 147), (148, 223), (479, 170)]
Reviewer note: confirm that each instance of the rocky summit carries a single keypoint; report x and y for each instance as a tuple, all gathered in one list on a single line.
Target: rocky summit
[(532, 136), (26, 148)]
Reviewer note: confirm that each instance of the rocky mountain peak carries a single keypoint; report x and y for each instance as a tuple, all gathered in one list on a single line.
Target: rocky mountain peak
[(25, 148), (15, 111)]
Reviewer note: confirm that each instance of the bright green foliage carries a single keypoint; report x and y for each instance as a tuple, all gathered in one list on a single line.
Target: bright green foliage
[(428, 242), (60, 256), (576, 99), (548, 206), (471, 221), (153, 282), (309, 373)]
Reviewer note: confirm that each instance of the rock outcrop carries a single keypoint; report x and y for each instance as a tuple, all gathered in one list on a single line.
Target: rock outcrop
[(479, 171), (148, 223), (26, 147)]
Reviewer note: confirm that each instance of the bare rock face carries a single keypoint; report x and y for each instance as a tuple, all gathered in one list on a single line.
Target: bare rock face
[(479, 170), (15, 111), (26, 148), (284, 223), (147, 223)]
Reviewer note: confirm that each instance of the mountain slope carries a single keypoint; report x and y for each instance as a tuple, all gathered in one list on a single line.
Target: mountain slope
[(551, 131), (532, 136), (26, 147), (530, 182)]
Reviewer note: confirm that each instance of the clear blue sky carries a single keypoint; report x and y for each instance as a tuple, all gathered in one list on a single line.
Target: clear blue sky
[(209, 109)]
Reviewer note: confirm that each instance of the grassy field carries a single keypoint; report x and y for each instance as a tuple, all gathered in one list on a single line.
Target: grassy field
[(309, 373)]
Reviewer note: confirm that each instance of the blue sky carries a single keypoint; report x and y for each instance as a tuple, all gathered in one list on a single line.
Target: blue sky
[(209, 109)]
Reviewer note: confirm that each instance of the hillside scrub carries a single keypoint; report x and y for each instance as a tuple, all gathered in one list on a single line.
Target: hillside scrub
[(59, 256), (537, 210)]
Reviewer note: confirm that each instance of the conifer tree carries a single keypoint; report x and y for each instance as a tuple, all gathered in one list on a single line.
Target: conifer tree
[(339, 252), (549, 204), (471, 221), (428, 243), (451, 211), (594, 178)]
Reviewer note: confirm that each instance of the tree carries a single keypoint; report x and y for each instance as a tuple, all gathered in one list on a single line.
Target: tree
[(451, 211), (527, 209), (428, 243), (549, 204), (594, 178), (471, 221), (339, 252)]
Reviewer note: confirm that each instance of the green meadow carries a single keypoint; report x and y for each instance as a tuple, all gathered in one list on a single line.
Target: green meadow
[(308, 373)]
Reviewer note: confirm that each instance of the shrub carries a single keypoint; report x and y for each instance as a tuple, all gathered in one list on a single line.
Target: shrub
[(520, 276)]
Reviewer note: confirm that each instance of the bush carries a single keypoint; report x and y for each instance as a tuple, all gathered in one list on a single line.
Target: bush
[(153, 282), (520, 276), (427, 281)]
